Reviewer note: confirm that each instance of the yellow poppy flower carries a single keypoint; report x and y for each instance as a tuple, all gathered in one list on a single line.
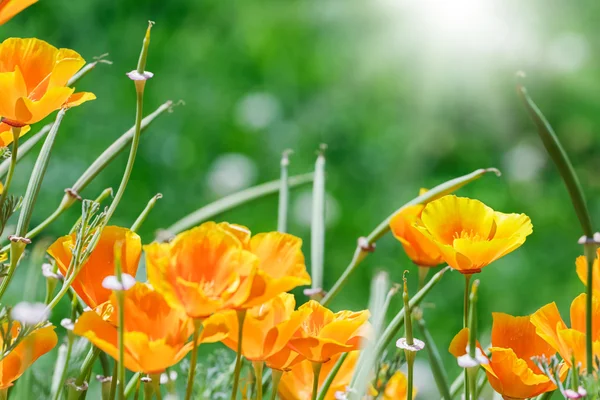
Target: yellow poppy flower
[(10, 8), (397, 388), (33, 79), (581, 268), (469, 234)]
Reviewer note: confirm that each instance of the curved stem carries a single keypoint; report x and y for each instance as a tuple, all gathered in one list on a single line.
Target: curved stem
[(133, 385), (194, 360), (13, 163), (258, 371), (241, 314), (410, 364), (316, 373), (276, 375)]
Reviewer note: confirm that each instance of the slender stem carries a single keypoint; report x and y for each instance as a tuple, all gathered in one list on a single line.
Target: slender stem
[(316, 373), (148, 390), (317, 226), (332, 374), (121, 331), (64, 367), (13, 163), (155, 382), (276, 375), (194, 360), (466, 301), (365, 246), (423, 271), (241, 315), (589, 251), (410, 363), (229, 202), (435, 360), (284, 193), (133, 384), (114, 381), (137, 384), (4, 394), (258, 371), (142, 217), (87, 365)]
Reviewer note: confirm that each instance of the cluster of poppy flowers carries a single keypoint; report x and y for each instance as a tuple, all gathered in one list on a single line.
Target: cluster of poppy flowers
[(218, 283)]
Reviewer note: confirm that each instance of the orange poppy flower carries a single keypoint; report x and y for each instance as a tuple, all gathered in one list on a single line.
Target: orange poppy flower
[(419, 248), (397, 388), (33, 79), (203, 270), (156, 335), (296, 384), (324, 334), (267, 330), (10, 8), (100, 264), (32, 347), (217, 267), (469, 234), (569, 342), (581, 268), (511, 370), (281, 262)]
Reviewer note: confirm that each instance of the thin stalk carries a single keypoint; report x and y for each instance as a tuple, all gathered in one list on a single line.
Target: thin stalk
[(16, 131), (366, 245), (136, 393), (87, 68), (37, 176), (120, 297), (276, 374), (155, 383), (410, 363), (435, 360), (589, 249), (133, 384), (316, 373), (284, 193), (135, 141), (241, 315), (258, 371), (234, 200), (58, 379), (396, 324), (87, 365), (194, 360), (4, 394), (317, 226), (148, 390), (466, 300), (114, 381), (142, 217), (329, 380)]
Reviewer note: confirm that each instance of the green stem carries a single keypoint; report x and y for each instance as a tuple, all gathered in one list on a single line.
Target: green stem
[(394, 327), (121, 331), (155, 382), (58, 388), (330, 378), (276, 375), (229, 202), (258, 371), (86, 366), (241, 315), (316, 373), (466, 301), (142, 217), (194, 360), (136, 390), (410, 363), (589, 249), (16, 131), (365, 246), (435, 360), (114, 381), (317, 226), (284, 193), (133, 384)]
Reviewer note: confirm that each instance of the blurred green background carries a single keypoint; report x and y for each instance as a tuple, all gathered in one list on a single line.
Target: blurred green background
[(406, 94)]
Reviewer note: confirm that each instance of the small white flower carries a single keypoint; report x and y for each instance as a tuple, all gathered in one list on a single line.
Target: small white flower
[(136, 76), (164, 378), (467, 361), (30, 313), (68, 324), (112, 283), (48, 273), (417, 345)]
